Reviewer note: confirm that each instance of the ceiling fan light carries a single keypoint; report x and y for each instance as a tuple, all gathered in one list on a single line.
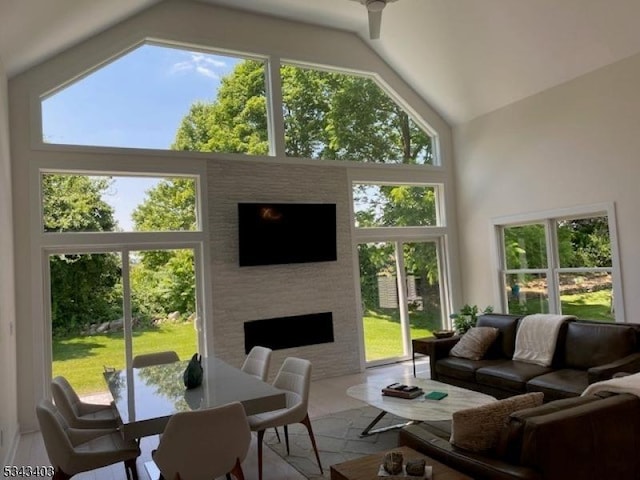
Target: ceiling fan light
[(376, 5)]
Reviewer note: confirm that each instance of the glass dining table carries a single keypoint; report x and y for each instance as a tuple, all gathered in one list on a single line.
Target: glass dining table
[(147, 397)]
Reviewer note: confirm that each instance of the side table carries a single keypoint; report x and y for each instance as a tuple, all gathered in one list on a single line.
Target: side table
[(366, 468), (423, 346)]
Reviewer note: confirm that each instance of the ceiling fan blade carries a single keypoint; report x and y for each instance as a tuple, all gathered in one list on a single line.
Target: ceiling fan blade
[(375, 20)]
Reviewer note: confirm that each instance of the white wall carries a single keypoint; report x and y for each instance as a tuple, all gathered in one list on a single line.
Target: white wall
[(576, 144), (8, 396), (323, 285)]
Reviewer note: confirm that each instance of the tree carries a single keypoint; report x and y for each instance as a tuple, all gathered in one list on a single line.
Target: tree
[(327, 115), (164, 280), (84, 287)]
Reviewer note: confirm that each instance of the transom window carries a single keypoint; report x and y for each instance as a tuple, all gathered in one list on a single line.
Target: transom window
[(113, 203), (378, 205), (560, 265)]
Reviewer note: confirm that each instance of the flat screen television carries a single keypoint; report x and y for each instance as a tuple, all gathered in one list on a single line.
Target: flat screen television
[(278, 233)]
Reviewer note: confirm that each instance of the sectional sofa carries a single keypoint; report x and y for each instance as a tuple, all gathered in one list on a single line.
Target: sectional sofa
[(586, 352)]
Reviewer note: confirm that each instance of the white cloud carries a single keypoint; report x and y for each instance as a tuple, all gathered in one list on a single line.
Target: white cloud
[(201, 64)]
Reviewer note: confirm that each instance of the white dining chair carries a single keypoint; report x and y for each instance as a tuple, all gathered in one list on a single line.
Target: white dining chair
[(155, 358), (72, 450), (204, 444), (79, 414), (294, 377), (257, 362)]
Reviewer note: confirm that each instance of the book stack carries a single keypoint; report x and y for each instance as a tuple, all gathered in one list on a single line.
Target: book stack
[(402, 391)]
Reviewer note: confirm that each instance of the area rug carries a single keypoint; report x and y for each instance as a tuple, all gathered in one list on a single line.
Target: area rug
[(338, 440)]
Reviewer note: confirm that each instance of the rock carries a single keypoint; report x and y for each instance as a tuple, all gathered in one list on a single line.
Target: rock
[(116, 325), (393, 462), (193, 317), (103, 327), (174, 316)]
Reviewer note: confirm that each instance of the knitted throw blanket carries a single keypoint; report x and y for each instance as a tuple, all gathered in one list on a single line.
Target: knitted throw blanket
[(536, 338)]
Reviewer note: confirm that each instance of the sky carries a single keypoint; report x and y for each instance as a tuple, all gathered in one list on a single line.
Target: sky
[(138, 100)]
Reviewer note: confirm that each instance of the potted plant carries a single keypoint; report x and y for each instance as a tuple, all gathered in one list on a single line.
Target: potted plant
[(467, 317)]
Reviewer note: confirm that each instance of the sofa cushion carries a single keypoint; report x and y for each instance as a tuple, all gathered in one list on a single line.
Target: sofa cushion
[(474, 343), (509, 375), (592, 344), (478, 429), (462, 368), (507, 325), (563, 383), (509, 445)]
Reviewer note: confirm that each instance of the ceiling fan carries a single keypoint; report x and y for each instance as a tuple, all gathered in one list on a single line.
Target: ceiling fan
[(374, 7)]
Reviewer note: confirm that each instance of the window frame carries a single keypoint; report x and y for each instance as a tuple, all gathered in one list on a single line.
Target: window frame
[(549, 219), (45, 244), (274, 107)]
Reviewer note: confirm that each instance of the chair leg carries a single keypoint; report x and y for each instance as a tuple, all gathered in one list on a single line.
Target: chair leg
[(260, 438), (277, 434), (307, 423), (130, 469), (286, 437), (237, 471)]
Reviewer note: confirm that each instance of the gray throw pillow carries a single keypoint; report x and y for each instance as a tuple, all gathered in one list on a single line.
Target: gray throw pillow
[(474, 343)]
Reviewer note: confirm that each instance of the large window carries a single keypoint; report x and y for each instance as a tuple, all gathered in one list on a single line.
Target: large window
[(169, 98), (561, 264), (339, 116), (161, 97), (122, 262), (400, 258)]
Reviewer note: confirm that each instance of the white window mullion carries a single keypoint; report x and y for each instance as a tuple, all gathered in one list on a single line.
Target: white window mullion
[(553, 262), (275, 117), (126, 307), (401, 279)]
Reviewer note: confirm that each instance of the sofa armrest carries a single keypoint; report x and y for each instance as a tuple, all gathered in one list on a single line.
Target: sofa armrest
[(476, 465), (629, 364), (435, 348)]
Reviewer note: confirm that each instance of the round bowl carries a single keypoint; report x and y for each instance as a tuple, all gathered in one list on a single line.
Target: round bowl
[(444, 333)]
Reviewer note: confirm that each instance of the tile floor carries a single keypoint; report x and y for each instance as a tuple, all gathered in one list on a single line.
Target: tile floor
[(327, 396)]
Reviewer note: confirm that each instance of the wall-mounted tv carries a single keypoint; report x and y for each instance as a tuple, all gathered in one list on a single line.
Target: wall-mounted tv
[(275, 233)]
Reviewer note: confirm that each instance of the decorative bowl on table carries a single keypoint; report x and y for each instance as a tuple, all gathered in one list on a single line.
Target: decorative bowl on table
[(444, 333)]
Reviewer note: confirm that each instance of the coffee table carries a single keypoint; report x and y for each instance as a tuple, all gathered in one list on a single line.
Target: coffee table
[(418, 409), (366, 468)]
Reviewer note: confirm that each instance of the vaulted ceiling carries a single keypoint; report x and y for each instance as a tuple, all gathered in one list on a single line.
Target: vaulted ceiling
[(465, 57)]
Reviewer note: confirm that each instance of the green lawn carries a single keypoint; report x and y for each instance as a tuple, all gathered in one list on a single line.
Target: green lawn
[(82, 359), (587, 306), (382, 331)]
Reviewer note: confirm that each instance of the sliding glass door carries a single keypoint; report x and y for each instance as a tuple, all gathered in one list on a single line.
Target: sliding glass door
[(400, 286), (106, 307)]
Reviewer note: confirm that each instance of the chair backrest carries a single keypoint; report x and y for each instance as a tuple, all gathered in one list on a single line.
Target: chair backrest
[(156, 358), (203, 444), (295, 376), (54, 430), (66, 398), (257, 362)]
